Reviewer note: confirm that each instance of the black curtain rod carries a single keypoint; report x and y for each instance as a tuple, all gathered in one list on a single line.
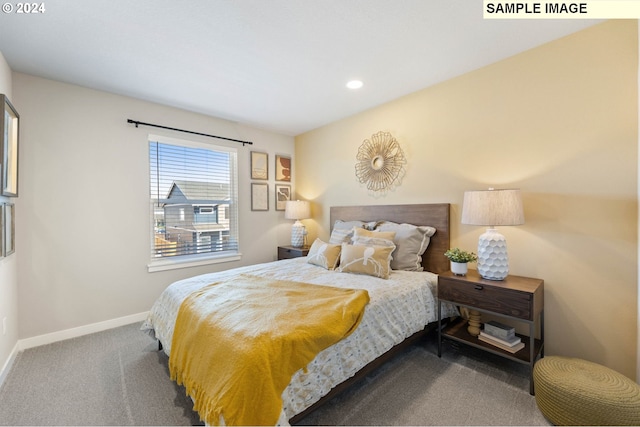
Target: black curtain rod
[(135, 122)]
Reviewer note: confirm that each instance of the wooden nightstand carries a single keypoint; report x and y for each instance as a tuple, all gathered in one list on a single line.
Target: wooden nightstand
[(516, 298), (286, 252)]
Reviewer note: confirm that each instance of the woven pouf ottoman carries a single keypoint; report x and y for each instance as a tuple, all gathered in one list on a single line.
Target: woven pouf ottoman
[(572, 391)]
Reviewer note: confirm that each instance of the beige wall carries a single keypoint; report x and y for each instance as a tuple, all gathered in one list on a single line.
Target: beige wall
[(8, 265), (84, 224), (560, 122)]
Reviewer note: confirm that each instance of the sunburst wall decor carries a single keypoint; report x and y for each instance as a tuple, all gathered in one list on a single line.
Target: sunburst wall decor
[(380, 162)]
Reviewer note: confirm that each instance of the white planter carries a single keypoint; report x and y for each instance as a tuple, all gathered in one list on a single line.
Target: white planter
[(459, 268)]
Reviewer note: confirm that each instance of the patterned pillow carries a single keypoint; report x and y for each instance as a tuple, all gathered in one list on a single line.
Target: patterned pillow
[(324, 254), (411, 242), (370, 260), (343, 230)]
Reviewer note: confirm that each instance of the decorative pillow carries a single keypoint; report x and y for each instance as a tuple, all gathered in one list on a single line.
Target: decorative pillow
[(343, 230), (373, 241), (370, 260), (379, 236), (324, 254), (411, 242)]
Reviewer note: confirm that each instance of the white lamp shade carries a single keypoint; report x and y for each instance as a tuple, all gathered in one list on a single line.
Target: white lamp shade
[(492, 207), (297, 209)]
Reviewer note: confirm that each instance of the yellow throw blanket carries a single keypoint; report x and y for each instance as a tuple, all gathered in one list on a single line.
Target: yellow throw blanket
[(236, 344)]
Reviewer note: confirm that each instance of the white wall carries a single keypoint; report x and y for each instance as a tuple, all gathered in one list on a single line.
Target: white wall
[(84, 212), (8, 265)]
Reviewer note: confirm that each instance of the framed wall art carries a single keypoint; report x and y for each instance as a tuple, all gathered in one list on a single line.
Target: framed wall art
[(283, 194), (9, 229), (259, 197), (259, 165), (283, 168), (9, 148)]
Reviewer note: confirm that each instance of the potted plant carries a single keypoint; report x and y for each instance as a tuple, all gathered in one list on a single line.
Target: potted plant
[(459, 260)]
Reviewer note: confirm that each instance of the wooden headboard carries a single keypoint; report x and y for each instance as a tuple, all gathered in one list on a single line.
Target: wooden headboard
[(436, 215)]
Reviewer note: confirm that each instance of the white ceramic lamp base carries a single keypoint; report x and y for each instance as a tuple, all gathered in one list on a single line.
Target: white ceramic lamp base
[(297, 234), (493, 262)]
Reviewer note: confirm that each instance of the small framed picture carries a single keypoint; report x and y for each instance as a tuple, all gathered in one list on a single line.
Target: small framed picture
[(259, 197), (283, 194), (259, 165), (9, 229), (283, 168), (9, 148)]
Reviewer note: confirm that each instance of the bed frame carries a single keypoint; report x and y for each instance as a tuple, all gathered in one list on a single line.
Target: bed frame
[(435, 215)]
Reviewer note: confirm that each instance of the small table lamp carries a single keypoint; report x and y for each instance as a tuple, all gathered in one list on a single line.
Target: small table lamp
[(297, 210), (492, 207)]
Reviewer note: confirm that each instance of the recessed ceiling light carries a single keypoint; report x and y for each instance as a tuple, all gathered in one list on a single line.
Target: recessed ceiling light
[(354, 84)]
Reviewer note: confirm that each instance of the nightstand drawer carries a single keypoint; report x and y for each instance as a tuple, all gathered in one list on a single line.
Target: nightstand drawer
[(488, 297), (286, 252)]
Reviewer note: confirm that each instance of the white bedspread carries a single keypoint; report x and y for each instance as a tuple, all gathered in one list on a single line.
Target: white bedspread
[(399, 307)]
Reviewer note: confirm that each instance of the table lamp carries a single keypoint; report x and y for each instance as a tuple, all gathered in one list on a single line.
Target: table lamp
[(297, 210), (491, 208)]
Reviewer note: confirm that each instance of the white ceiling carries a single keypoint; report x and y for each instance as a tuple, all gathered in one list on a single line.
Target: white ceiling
[(280, 65)]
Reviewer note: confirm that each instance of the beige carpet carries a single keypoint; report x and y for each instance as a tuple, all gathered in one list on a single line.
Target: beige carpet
[(465, 387), (118, 377)]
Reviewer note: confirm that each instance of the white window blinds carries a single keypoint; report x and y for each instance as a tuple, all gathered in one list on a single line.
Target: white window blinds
[(193, 197)]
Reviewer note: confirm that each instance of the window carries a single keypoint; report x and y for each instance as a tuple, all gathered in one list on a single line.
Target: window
[(193, 201), (205, 214)]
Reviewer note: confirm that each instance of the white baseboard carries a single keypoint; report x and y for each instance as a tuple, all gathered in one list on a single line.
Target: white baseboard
[(9, 363), (80, 331), (65, 335)]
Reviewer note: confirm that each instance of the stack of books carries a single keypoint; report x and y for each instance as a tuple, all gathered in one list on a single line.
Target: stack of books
[(501, 336)]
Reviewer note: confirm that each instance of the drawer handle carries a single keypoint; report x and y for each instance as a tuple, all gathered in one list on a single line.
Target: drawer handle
[(479, 287)]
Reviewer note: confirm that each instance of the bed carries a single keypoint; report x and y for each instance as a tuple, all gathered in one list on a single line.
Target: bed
[(401, 308)]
